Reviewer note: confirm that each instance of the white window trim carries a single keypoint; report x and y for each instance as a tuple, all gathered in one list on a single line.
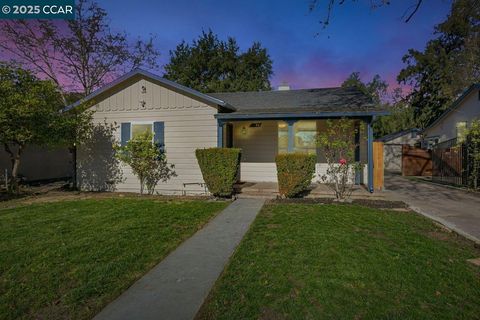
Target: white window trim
[(132, 123)]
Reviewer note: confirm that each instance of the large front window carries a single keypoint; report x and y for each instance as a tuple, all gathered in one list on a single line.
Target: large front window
[(304, 137)]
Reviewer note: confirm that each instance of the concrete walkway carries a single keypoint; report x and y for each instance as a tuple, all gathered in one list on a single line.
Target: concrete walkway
[(177, 286), (458, 210)]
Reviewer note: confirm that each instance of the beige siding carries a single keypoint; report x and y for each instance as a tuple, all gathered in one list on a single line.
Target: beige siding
[(189, 125), (258, 171), (445, 129), (258, 144)]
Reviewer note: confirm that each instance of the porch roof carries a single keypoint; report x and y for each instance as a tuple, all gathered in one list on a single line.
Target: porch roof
[(305, 103)]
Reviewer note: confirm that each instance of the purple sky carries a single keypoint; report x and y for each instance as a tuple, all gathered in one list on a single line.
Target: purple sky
[(358, 39)]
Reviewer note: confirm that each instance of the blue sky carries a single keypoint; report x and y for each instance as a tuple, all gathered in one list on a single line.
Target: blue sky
[(358, 38)]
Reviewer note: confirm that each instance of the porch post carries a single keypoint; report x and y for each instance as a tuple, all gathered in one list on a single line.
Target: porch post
[(370, 154), (220, 125), (291, 135), (357, 151)]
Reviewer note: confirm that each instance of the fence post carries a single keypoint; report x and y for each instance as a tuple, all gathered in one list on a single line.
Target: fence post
[(378, 165)]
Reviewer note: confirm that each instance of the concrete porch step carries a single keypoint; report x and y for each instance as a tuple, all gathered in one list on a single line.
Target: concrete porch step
[(269, 190)]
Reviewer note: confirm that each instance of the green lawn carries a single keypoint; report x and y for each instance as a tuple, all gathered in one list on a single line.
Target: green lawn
[(67, 260), (301, 261)]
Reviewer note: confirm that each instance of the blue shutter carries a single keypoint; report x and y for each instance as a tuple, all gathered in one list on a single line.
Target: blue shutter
[(159, 138), (125, 133)]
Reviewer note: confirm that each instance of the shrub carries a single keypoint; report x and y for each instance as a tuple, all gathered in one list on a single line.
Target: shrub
[(219, 168), (295, 172), (147, 160), (473, 161), (337, 143)]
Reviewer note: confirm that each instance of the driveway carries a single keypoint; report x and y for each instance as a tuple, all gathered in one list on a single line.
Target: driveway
[(457, 209)]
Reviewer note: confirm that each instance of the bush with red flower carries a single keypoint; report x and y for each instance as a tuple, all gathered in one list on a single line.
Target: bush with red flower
[(337, 143)]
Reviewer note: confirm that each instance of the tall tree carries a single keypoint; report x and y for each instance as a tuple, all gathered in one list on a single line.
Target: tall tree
[(209, 64), (375, 89), (448, 65), (29, 114), (77, 55), (401, 116)]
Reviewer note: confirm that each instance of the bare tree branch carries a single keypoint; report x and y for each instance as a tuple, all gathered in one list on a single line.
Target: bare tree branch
[(374, 4), (78, 55)]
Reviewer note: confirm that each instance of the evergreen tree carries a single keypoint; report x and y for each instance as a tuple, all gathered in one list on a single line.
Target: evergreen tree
[(209, 64), (449, 64)]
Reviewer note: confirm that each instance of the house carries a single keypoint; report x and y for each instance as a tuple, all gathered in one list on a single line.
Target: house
[(456, 119), (262, 124), (392, 147)]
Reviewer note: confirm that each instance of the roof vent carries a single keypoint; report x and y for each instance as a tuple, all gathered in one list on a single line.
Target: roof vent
[(283, 87)]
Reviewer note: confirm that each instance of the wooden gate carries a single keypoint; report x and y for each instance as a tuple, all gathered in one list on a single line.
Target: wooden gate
[(378, 165), (416, 161)]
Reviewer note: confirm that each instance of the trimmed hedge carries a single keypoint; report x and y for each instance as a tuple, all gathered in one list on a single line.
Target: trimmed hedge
[(295, 173), (219, 168)]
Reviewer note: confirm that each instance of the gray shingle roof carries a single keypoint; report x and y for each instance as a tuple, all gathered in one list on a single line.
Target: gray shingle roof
[(324, 100)]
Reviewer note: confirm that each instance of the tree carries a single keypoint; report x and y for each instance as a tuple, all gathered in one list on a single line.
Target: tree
[(29, 114), (473, 154), (77, 55), (449, 64), (401, 117), (212, 65), (374, 4), (147, 160), (338, 144), (375, 89)]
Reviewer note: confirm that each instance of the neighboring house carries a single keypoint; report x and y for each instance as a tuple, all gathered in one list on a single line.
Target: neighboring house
[(262, 124), (456, 119), (40, 163), (392, 147)]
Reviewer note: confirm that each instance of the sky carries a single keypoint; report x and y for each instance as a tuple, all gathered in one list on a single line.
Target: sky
[(370, 41)]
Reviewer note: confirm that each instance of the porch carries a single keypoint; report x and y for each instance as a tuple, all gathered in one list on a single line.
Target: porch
[(262, 139), (266, 123)]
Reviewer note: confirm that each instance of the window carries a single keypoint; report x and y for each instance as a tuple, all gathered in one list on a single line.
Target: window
[(461, 130), (305, 134), (139, 128), (282, 137)]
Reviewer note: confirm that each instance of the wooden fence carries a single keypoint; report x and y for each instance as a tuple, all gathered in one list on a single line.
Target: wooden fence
[(416, 161)]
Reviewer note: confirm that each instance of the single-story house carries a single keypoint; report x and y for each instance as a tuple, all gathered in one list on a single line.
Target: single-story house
[(456, 119), (392, 147), (262, 124)]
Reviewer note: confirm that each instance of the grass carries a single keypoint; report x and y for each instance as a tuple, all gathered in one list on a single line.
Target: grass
[(303, 261), (67, 260)]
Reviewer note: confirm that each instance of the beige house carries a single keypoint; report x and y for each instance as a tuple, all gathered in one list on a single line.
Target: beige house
[(456, 119), (262, 124)]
